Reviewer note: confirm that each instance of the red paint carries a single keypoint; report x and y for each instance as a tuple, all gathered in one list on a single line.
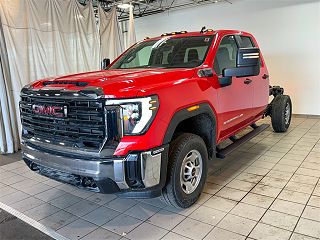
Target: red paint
[(178, 89)]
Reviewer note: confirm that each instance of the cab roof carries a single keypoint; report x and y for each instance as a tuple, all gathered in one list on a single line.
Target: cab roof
[(208, 32)]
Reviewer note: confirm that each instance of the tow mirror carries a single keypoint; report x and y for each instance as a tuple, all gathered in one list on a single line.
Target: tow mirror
[(248, 60), (105, 63), (248, 57), (225, 81)]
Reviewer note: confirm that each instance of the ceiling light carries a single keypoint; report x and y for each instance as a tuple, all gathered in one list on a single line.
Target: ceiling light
[(124, 5)]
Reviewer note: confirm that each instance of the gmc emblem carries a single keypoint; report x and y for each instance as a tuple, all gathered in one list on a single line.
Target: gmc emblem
[(55, 111)]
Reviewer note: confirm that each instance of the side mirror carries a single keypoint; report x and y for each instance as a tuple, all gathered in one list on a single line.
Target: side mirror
[(248, 60), (205, 72), (105, 63)]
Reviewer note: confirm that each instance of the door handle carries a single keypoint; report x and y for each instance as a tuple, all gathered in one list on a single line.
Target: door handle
[(265, 76), (247, 81)]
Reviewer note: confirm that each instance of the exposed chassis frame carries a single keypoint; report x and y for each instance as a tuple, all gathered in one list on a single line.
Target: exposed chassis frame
[(273, 91)]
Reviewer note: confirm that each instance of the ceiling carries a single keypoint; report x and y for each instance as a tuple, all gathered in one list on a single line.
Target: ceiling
[(142, 8)]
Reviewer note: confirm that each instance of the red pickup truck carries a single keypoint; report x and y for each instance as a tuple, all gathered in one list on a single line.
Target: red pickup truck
[(148, 124)]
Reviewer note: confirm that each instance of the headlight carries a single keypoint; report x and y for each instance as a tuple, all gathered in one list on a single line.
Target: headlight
[(136, 114)]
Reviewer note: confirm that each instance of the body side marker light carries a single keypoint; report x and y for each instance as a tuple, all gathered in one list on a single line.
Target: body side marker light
[(193, 108)]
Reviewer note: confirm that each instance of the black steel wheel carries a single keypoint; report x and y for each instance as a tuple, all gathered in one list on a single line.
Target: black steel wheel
[(281, 111)]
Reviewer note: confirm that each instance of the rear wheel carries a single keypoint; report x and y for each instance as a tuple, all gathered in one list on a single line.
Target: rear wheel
[(187, 171), (281, 111)]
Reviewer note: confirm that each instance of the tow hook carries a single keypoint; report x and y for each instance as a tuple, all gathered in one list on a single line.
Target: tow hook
[(88, 182), (34, 167)]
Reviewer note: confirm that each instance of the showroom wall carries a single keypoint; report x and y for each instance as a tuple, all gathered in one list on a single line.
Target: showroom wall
[(288, 32)]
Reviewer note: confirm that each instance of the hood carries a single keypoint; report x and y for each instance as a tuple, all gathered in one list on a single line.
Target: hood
[(122, 83)]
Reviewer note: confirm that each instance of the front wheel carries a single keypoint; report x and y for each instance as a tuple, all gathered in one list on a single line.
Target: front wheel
[(187, 171), (281, 111)]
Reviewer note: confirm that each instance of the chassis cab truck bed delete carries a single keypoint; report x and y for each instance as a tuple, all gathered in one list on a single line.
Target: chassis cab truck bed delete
[(147, 125)]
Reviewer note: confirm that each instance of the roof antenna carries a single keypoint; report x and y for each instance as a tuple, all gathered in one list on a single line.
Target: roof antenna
[(202, 29)]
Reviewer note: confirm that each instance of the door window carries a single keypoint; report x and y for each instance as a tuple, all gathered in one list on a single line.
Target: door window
[(226, 55), (246, 42)]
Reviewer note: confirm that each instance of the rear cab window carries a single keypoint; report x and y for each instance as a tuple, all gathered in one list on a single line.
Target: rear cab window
[(246, 42)]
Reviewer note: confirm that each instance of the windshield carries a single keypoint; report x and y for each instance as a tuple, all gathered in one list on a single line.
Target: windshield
[(187, 52)]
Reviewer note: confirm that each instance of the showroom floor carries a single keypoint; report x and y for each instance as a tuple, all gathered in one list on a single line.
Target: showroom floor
[(268, 189)]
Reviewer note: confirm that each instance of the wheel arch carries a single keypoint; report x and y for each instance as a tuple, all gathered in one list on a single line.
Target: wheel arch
[(201, 121)]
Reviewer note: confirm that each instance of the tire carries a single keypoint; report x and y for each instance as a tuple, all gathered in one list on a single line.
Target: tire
[(184, 148), (281, 111)]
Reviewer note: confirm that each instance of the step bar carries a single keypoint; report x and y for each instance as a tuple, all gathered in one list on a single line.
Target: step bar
[(237, 142)]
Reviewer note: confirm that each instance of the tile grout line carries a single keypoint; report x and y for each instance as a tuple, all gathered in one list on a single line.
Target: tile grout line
[(142, 221), (307, 201), (229, 212), (257, 184), (281, 189), (48, 231), (284, 187), (82, 217), (121, 213), (63, 209)]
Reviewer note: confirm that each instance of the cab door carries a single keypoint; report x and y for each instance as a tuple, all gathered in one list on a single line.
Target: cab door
[(260, 82), (235, 100)]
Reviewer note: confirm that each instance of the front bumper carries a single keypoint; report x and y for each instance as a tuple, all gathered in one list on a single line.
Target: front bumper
[(139, 174)]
